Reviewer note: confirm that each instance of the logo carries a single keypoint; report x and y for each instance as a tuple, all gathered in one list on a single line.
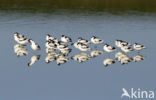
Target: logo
[(137, 94)]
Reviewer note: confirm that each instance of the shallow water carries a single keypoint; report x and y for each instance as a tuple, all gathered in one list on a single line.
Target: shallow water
[(79, 81)]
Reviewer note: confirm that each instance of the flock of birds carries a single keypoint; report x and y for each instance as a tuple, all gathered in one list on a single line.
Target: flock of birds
[(58, 50)]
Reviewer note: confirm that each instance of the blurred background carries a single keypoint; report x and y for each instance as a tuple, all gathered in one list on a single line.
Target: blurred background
[(93, 5)]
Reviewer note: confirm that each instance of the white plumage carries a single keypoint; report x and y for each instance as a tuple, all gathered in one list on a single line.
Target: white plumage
[(20, 50), (33, 59), (34, 45), (66, 39), (138, 58), (81, 40), (95, 53), (126, 49), (108, 48), (19, 38), (96, 40), (108, 61), (137, 46)]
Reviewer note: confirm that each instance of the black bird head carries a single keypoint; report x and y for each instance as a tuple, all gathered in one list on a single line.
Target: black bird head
[(72, 58), (106, 44), (48, 35), (80, 38), (93, 37), (29, 40), (16, 33), (72, 44), (38, 57)]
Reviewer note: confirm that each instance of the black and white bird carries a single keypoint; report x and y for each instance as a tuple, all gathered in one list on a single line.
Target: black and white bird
[(61, 45), (108, 48), (51, 44), (76, 44), (19, 38), (118, 43), (95, 53), (126, 49), (138, 58), (125, 43), (96, 40), (83, 47), (121, 43), (138, 47), (108, 62), (49, 37), (34, 45), (65, 39), (84, 41), (123, 58), (33, 59)]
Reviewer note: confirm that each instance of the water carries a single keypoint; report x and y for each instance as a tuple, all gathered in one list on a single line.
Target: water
[(75, 81)]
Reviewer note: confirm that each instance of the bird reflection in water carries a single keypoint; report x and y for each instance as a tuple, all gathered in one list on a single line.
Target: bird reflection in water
[(20, 50)]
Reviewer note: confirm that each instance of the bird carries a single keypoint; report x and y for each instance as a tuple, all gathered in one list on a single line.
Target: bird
[(81, 40), (95, 53), (138, 47), (19, 38), (118, 43), (61, 45), (34, 45), (138, 58), (96, 40), (108, 61), (121, 43), (108, 48), (120, 55), (83, 47), (126, 49), (49, 37), (76, 44), (50, 44), (65, 39), (123, 58), (33, 59), (124, 43)]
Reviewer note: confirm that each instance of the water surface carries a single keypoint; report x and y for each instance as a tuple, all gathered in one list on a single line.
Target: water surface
[(86, 81)]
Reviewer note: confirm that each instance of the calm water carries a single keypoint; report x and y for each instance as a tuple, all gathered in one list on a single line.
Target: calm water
[(75, 81)]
